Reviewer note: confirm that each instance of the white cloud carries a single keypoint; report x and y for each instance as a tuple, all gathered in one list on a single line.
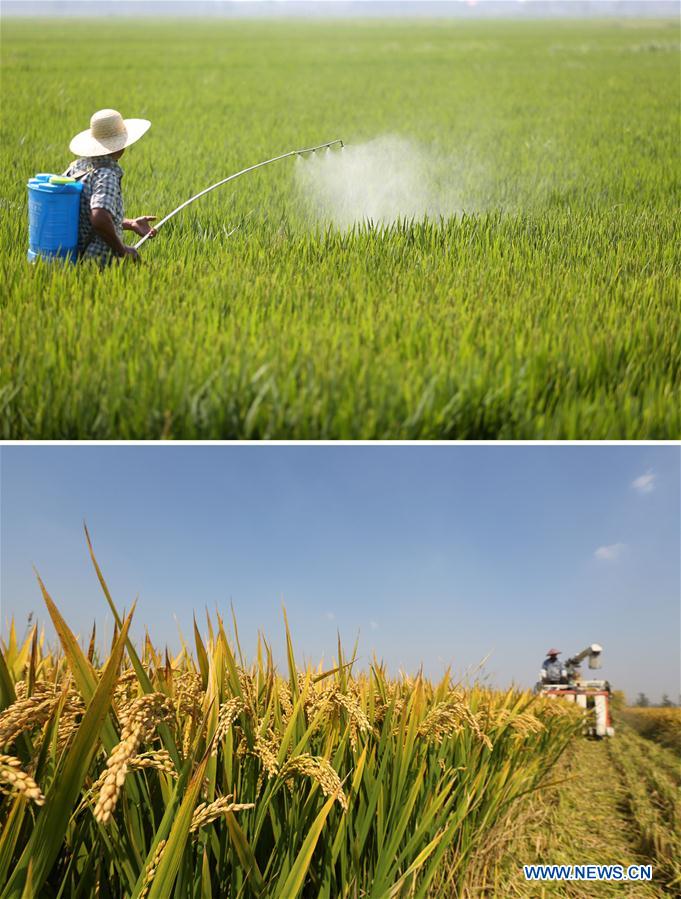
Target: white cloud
[(330, 616), (644, 483), (610, 553), (373, 625)]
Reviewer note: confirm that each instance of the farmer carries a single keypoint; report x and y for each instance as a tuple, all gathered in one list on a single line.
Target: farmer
[(552, 669), (101, 224)]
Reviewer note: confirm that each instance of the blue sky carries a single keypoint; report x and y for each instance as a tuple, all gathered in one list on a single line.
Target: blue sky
[(434, 554)]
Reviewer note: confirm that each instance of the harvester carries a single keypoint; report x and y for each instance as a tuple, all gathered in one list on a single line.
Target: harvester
[(564, 681)]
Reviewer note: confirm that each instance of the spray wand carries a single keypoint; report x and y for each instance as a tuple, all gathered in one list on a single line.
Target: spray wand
[(231, 178)]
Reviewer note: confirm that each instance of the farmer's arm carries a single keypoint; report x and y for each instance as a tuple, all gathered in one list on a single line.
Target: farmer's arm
[(103, 225)]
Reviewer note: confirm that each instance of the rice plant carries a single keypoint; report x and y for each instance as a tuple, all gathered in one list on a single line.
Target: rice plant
[(146, 774)]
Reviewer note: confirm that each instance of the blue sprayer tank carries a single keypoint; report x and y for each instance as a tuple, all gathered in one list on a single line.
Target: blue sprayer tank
[(53, 211)]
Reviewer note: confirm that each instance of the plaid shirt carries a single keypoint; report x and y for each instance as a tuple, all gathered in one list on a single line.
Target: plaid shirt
[(101, 190)]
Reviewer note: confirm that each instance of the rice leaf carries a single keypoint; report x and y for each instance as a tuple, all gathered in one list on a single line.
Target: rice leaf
[(46, 839)]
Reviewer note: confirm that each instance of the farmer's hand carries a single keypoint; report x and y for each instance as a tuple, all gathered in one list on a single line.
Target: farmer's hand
[(131, 254), (141, 225)]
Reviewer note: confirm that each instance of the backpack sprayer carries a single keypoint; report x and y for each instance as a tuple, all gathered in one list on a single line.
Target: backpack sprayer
[(53, 211), (54, 208)]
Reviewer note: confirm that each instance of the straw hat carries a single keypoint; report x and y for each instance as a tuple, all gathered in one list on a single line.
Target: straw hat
[(108, 132)]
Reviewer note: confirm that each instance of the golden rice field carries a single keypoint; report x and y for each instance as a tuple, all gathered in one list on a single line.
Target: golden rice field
[(205, 775), (660, 724)]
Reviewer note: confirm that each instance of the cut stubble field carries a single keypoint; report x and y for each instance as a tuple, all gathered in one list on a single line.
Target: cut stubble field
[(544, 304)]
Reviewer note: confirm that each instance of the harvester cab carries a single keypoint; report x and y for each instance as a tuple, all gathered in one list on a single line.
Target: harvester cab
[(563, 680)]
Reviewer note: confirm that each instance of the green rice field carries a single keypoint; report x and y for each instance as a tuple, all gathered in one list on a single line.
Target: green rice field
[(538, 299)]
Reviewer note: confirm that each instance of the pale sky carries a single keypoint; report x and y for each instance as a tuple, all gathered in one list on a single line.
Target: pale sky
[(471, 9)]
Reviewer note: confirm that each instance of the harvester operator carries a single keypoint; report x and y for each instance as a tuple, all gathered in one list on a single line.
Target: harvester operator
[(553, 671)]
